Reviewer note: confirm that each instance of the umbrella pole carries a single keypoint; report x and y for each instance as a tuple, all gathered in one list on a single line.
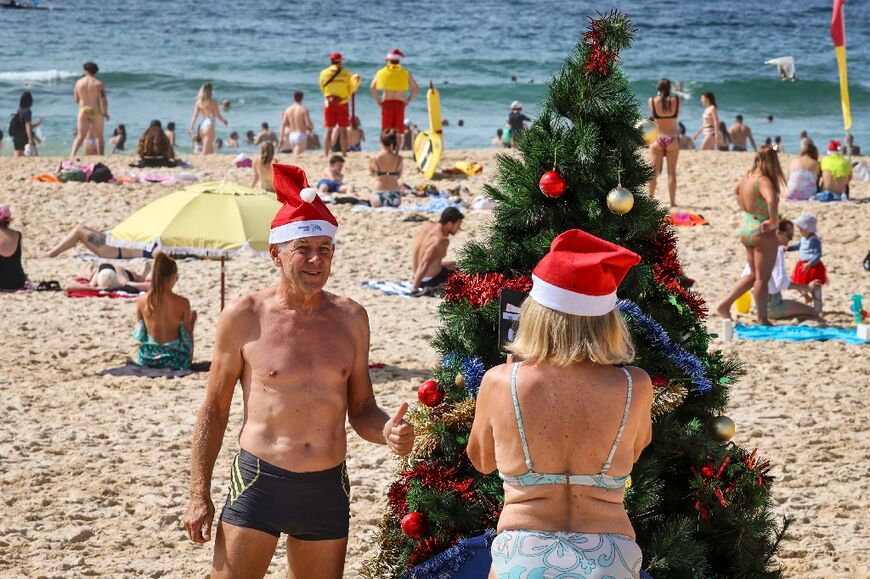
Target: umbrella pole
[(223, 281)]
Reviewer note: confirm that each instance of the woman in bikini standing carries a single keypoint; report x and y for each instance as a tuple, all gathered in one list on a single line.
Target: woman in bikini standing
[(209, 109), (709, 122), (757, 195), (665, 109)]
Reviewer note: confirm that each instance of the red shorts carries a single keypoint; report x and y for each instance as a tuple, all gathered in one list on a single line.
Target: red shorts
[(393, 115), (815, 272), (336, 113)]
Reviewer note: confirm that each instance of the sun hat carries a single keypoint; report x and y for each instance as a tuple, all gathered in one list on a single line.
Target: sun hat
[(302, 213), (806, 221), (580, 274), (107, 278), (516, 105)]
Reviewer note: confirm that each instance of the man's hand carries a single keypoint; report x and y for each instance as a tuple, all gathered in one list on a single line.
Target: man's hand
[(398, 433), (198, 518)]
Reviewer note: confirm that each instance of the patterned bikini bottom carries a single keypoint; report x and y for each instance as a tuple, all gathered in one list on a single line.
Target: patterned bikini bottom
[(564, 555)]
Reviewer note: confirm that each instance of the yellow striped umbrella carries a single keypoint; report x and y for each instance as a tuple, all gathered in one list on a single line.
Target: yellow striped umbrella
[(216, 219)]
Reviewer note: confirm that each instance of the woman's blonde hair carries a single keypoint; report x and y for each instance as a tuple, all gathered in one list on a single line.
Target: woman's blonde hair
[(164, 268), (565, 339), (205, 95), (267, 153)]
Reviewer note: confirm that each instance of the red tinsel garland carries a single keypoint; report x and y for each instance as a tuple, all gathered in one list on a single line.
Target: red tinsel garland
[(429, 547), (598, 58), (667, 270), (479, 290)]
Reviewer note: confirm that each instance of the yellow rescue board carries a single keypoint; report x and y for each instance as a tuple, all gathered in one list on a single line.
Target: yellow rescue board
[(428, 147)]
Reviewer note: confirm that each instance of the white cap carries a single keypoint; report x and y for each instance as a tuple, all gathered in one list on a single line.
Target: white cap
[(107, 278), (806, 221), (516, 105)]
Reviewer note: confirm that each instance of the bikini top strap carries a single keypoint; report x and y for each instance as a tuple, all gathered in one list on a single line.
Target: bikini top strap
[(519, 414), (606, 466)]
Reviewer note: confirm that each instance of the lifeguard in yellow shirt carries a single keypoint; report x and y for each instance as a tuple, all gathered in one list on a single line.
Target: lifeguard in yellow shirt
[(338, 85), (394, 82)]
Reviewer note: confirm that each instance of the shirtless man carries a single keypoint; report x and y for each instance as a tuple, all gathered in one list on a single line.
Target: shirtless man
[(301, 356), (739, 133), (90, 95), (296, 125), (394, 82), (430, 247)]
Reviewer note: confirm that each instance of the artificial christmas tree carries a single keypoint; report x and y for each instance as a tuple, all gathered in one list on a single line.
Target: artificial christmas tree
[(700, 504)]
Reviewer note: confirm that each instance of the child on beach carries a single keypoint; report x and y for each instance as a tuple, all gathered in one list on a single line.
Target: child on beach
[(333, 178), (809, 267), (263, 167)]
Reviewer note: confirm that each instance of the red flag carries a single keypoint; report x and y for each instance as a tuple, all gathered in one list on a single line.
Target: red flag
[(838, 27)]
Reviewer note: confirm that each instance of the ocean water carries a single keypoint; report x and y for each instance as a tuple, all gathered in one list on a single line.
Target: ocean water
[(153, 56)]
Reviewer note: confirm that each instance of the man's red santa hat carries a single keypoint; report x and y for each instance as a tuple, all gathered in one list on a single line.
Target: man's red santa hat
[(395, 55), (302, 213), (580, 274)]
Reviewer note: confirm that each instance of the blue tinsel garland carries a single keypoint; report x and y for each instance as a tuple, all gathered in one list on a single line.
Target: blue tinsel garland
[(688, 363), (449, 563), (471, 368)]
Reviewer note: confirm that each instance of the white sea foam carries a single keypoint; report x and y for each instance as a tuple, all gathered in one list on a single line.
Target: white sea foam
[(36, 75)]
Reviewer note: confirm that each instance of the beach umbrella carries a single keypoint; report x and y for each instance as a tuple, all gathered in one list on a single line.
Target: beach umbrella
[(217, 219)]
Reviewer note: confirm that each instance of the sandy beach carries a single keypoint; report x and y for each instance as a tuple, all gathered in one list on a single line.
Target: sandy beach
[(94, 469)]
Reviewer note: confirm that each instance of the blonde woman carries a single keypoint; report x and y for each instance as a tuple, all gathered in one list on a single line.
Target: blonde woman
[(564, 486), (209, 109), (263, 167)]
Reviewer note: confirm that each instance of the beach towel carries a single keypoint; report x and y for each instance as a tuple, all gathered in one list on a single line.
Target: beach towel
[(798, 334), (124, 292), (390, 288), (131, 368), (686, 219), (433, 205), (45, 178)]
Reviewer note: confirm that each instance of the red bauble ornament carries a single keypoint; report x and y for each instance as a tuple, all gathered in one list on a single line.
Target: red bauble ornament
[(660, 381), (414, 525), (707, 469), (430, 393), (552, 184)]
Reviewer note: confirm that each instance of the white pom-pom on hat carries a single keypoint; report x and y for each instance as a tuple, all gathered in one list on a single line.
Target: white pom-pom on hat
[(308, 194)]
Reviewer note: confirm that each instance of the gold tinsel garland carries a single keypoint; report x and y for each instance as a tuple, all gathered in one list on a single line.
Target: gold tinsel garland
[(667, 398)]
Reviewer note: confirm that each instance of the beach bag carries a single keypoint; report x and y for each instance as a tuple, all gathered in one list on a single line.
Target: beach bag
[(15, 127), (100, 174)]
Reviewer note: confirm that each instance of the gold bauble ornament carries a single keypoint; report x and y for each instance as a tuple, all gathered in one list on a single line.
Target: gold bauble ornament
[(723, 428), (649, 130), (460, 381), (628, 482), (620, 200)]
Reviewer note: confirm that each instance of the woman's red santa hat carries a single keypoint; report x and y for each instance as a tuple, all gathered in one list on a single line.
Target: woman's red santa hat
[(302, 213), (580, 274)]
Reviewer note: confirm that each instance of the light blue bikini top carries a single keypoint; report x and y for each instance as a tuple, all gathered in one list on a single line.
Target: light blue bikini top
[(531, 478)]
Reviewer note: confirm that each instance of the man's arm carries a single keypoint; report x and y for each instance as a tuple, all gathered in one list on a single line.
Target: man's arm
[(104, 101), (363, 413), (282, 129), (373, 88), (211, 422), (430, 257), (415, 88)]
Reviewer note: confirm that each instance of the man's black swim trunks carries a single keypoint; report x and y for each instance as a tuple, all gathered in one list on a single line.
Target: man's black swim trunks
[(438, 279), (309, 506)]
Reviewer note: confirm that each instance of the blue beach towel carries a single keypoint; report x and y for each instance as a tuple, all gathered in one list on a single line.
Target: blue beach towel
[(797, 334), (433, 205), (391, 288)]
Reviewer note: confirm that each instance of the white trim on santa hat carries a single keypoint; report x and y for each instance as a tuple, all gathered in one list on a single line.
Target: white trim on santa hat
[(300, 229), (394, 56), (569, 302)]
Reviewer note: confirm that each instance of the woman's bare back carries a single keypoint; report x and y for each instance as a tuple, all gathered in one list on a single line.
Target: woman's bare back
[(162, 323)]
